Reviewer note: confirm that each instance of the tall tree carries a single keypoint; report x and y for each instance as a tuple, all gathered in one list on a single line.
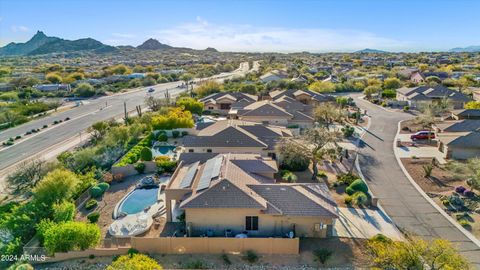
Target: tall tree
[(315, 144)]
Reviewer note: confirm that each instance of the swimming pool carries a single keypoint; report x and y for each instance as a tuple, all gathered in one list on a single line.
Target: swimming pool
[(138, 200), (163, 150)]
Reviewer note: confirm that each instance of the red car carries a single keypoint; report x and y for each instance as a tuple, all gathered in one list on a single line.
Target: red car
[(423, 135)]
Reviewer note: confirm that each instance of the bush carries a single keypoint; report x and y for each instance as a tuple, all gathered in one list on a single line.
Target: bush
[(295, 163), (92, 203), (349, 191), (465, 224), (381, 238), (165, 164), (134, 154), (93, 217), (175, 134), (250, 256), (104, 186), (64, 211), (96, 192), (293, 126), (162, 137), (469, 194), (347, 178), (226, 259), (359, 185), (460, 189), (23, 266), (195, 264), (348, 200), (184, 133), (389, 93), (406, 108), (134, 262), (322, 255), (348, 131), (427, 170), (321, 174), (359, 198), (132, 251), (71, 235), (290, 177), (146, 154), (140, 167)]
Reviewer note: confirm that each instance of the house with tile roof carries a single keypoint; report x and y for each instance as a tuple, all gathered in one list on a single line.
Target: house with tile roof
[(466, 114), (236, 136), (284, 111), (459, 139), (222, 102), (237, 194), (415, 96)]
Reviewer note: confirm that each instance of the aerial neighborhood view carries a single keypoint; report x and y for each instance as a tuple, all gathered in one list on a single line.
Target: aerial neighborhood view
[(232, 134)]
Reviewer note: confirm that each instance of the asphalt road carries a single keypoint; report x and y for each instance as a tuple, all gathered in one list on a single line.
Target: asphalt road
[(81, 118), (403, 203)]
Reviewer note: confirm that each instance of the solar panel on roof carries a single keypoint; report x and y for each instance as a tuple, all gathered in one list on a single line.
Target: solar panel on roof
[(211, 170), (188, 178)]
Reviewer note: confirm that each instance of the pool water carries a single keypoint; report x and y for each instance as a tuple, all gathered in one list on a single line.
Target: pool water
[(163, 150), (138, 200)]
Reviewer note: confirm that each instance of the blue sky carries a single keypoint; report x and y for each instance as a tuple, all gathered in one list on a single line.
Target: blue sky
[(286, 26)]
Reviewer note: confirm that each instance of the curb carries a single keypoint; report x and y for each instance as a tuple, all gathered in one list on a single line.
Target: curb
[(468, 234)]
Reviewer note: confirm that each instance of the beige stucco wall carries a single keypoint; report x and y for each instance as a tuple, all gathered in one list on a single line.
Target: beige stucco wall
[(464, 153), (219, 219)]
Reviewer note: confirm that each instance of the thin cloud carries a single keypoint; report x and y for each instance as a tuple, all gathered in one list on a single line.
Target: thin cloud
[(201, 34), (20, 28), (121, 35)]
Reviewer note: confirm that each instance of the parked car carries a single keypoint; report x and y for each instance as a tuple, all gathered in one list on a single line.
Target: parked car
[(423, 135), (150, 90)]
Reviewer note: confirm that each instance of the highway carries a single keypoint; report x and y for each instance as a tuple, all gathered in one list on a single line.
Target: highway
[(81, 118)]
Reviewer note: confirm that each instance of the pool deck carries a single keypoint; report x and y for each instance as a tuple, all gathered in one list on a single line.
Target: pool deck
[(129, 221)]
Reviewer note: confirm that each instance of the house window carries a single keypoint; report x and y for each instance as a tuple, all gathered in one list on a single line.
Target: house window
[(320, 227), (251, 223), (210, 108), (190, 150), (209, 150)]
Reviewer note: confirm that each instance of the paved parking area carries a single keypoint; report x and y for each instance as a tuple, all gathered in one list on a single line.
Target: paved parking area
[(364, 223)]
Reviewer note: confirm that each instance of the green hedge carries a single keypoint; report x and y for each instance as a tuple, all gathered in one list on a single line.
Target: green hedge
[(133, 155)]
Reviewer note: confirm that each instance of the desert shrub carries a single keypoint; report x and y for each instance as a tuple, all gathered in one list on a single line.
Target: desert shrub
[(226, 259), (23, 266), (389, 93), (184, 133), (349, 191), (322, 255), (347, 178), (96, 192), (469, 194), (348, 200), (71, 235), (132, 251), (64, 211), (460, 189), (139, 167), (296, 163), (348, 131), (290, 177), (427, 170), (92, 203), (321, 174), (134, 262), (175, 134), (165, 164), (250, 256), (381, 238), (464, 223), (103, 186), (359, 198), (359, 185), (146, 154), (406, 108), (93, 217), (162, 137), (195, 264)]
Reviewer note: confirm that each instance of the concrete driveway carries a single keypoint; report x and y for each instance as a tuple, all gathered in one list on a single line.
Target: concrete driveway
[(406, 206), (364, 223)]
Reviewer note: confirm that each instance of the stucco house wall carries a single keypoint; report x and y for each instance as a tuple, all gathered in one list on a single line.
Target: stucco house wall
[(219, 219)]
